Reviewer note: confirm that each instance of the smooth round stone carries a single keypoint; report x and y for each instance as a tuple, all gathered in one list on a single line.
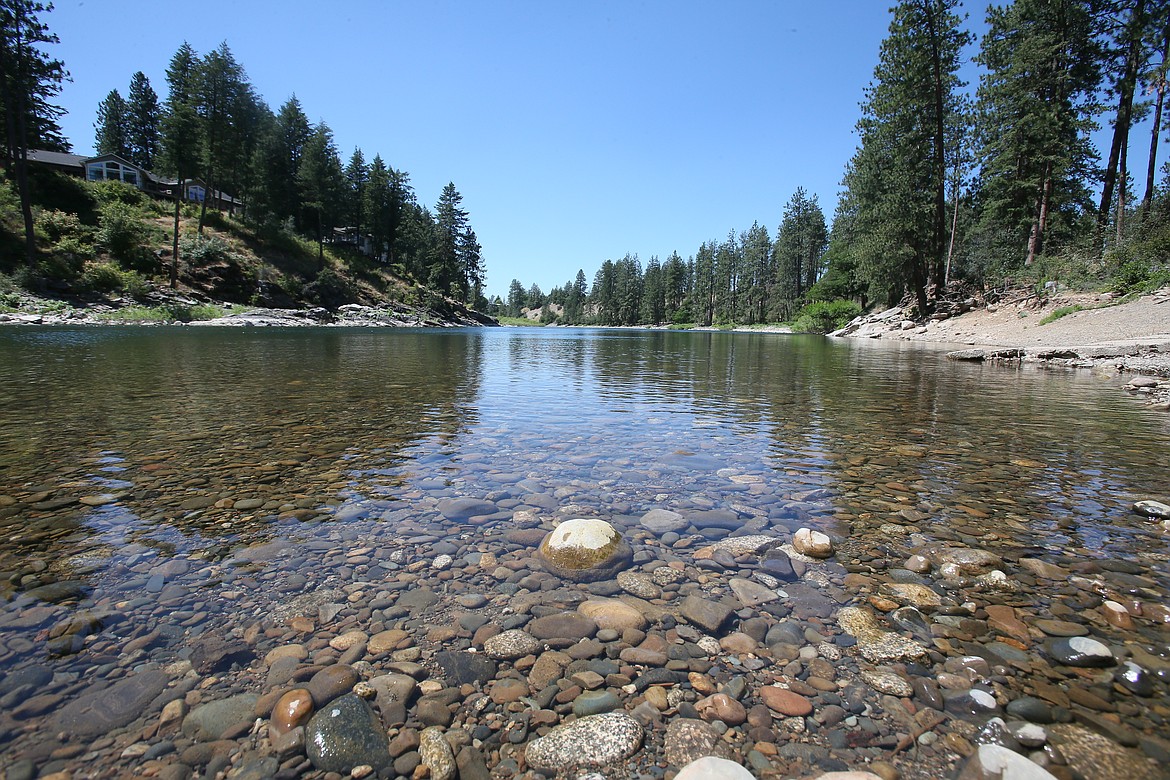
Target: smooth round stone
[(638, 584), (663, 521), (785, 702), (592, 741), (436, 754), (1136, 679), (208, 721), (347, 640), (812, 543), (1151, 508), (888, 683), (585, 550), (331, 682), (344, 734), (471, 600), (510, 645), (611, 613), (595, 703), (997, 761), (722, 707), (1030, 709), (385, 641), (689, 739), (508, 690), (566, 625), (713, 768), (1081, 651), (292, 709), (1061, 628)]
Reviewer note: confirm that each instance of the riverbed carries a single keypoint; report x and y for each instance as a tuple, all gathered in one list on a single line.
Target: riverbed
[(196, 522)]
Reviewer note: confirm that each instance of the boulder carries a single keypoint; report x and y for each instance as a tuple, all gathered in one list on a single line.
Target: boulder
[(585, 550)]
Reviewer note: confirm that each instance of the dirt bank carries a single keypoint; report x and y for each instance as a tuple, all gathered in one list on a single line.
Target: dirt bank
[(1131, 337)]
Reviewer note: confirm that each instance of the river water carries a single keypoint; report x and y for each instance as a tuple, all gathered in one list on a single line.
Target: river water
[(169, 484)]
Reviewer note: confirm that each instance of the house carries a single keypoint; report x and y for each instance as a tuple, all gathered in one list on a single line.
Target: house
[(111, 167)]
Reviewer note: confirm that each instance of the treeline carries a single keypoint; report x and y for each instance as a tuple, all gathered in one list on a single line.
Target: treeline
[(214, 127), (745, 278), (947, 184)]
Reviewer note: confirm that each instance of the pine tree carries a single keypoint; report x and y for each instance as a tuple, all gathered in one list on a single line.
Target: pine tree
[(798, 252), (757, 272), (445, 274), (181, 136), (112, 128), (29, 80), (224, 104), (321, 181), (375, 204), (142, 122), (653, 294), (516, 298), (1036, 109), (898, 176), (357, 176)]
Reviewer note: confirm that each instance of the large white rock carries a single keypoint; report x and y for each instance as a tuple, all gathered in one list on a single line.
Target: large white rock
[(713, 768), (591, 741), (585, 550), (812, 543)]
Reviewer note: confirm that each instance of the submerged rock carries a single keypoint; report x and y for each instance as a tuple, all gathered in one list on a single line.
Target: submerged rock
[(344, 734), (585, 550), (592, 741)]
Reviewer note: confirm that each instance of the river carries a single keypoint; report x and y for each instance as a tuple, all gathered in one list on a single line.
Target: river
[(205, 496)]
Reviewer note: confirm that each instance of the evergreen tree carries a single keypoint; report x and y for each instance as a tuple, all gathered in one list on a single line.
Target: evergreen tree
[(471, 267), (675, 286), (278, 162), (321, 183), (29, 81), (758, 273), (224, 104), (445, 273), (516, 298), (1036, 109), (898, 176), (798, 252), (181, 135), (703, 290), (375, 205), (112, 128), (142, 122), (653, 294), (604, 294), (357, 176), (1155, 79), (727, 273)]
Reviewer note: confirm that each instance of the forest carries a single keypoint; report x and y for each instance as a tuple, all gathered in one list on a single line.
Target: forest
[(952, 183), (213, 127)]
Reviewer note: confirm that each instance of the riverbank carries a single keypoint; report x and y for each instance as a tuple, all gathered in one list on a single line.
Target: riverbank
[(1067, 330)]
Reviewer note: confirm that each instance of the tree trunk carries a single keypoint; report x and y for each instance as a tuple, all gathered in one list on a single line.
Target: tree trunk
[(1036, 239), (1122, 175), (1152, 169), (1125, 89), (175, 241), (938, 272)]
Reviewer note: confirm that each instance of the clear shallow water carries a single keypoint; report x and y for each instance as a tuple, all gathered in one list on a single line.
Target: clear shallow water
[(617, 421), (186, 481)]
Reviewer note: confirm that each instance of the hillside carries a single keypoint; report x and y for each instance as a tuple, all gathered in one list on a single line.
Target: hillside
[(105, 252)]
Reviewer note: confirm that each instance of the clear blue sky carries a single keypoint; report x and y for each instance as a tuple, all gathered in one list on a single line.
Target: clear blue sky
[(575, 132)]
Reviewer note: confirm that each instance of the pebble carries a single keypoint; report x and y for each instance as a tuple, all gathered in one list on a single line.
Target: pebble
[(511, 645), (785, 702), (436, 755)]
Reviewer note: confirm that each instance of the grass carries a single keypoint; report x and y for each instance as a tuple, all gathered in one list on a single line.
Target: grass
[(518, 321), (163, 314), (1063, 311)]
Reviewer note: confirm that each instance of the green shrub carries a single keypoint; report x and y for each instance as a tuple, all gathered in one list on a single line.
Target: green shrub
[(1063, 311), (121, 232), (199, 250), (107, 277), (825, 316), (329, 289), (106, 192)]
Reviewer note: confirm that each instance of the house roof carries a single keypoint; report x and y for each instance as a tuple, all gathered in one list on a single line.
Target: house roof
[(64, 159)]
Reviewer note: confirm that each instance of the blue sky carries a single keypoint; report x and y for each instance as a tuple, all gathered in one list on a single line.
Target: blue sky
[(575, 132)]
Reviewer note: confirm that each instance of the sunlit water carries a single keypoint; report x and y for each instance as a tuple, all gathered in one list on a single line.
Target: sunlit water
[(122, 448)]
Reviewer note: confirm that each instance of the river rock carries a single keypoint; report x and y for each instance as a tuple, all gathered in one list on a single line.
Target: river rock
[(722, 707), (689, 739), (812, 543), (613, 614), (332, 681), (344, 734), (564, 625), (887, 682), (1081, 651), (713, 768), (708, 615), (585, 550), (595, 703), (465, 508), (751, 594), (638, 584), (593, 741), (909, 593), (662, 521), (436, 754), (106, 709), (993, 762), (785, 702), (465, 668), (210, 721), (1154, 509), (510, 645), (292, 709)]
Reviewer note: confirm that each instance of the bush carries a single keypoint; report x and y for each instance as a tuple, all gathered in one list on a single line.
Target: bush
[(329, 289), (825, 316), (106, 192), (120, 231), (198, 250), (107, 277)]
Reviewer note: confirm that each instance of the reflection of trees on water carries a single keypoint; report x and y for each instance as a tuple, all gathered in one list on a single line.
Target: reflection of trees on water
[(215, 412)]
